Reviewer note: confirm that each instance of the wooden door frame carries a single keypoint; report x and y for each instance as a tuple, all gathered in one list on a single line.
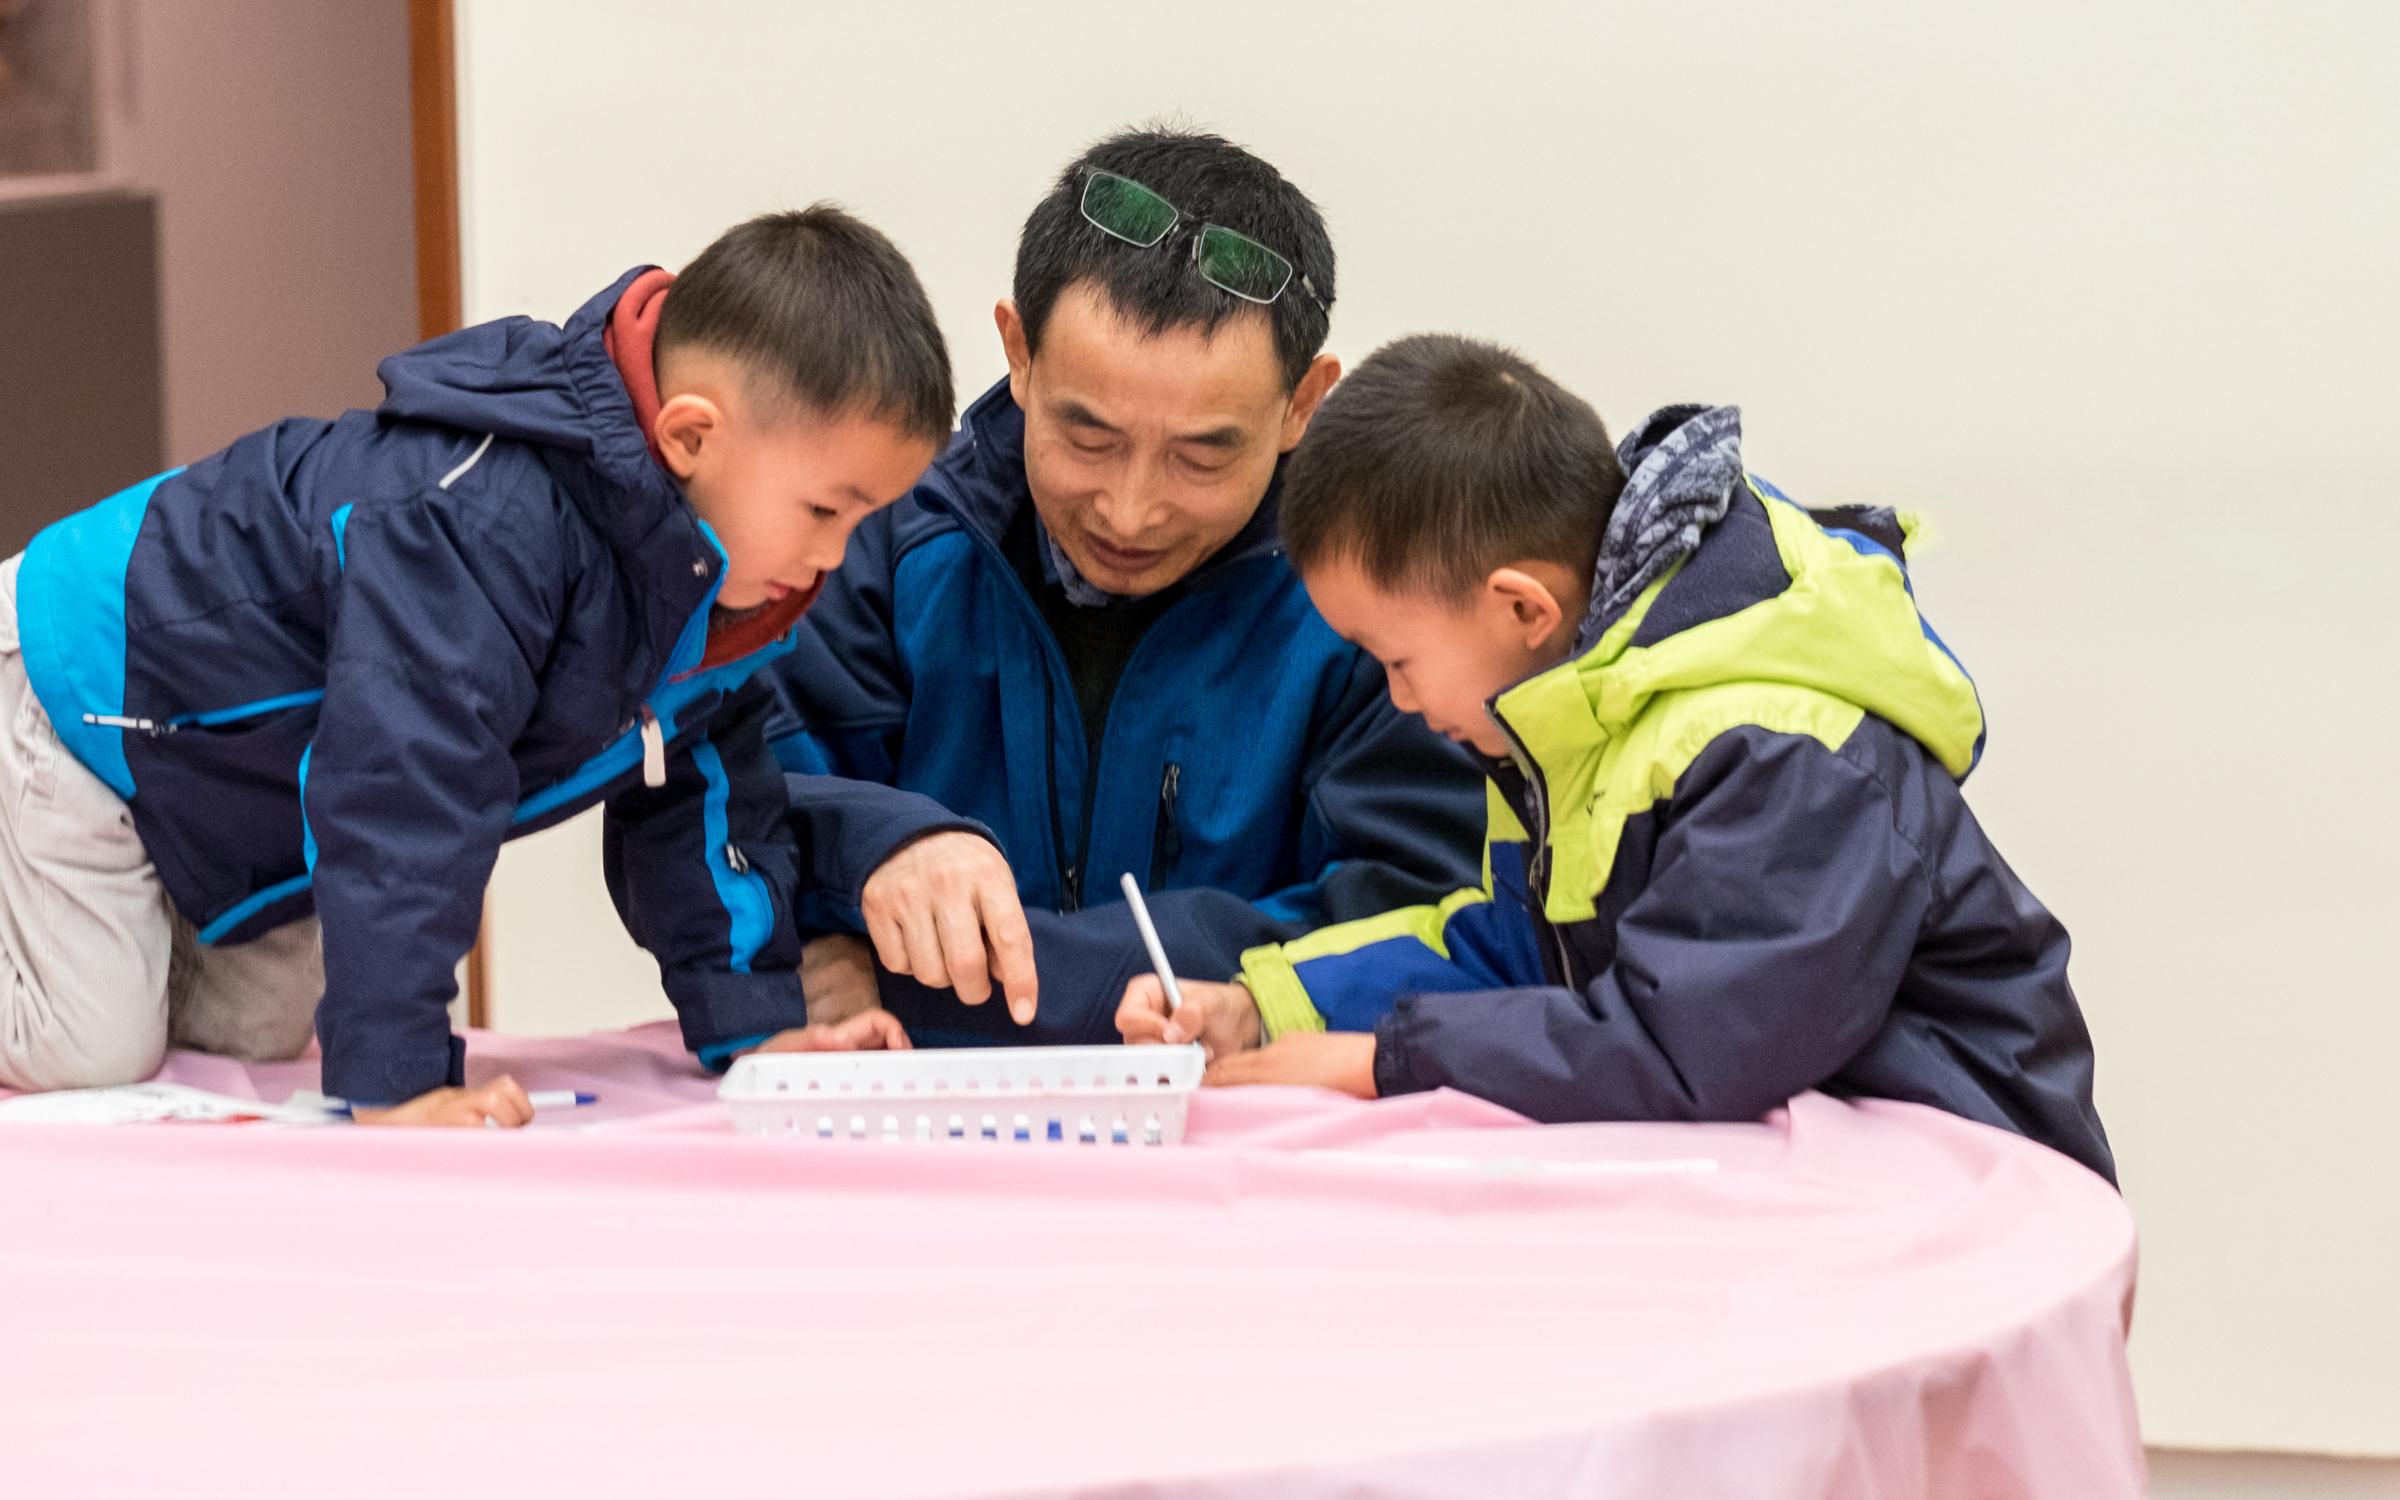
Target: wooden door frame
[(433, 153), (433, 150)]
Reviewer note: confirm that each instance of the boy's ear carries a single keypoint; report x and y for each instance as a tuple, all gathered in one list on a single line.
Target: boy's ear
[(1012, 345), (1307, 396), (685, 425), (1535, 610)]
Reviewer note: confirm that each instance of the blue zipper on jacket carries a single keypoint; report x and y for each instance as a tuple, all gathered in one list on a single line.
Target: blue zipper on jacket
[(206, 718)]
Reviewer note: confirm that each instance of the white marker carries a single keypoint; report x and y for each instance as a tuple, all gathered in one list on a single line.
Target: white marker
[(540, 1100), (1158, 955)]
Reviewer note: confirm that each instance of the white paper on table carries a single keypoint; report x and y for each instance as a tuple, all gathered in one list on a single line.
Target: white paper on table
[(159, 1104)]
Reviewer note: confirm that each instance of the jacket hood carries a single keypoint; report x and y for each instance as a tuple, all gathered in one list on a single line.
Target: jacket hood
[(555, 389), (1752, 590)]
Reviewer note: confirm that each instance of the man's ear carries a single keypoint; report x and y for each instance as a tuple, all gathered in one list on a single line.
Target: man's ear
[(1322, 372), (1534, 609), (1013, 346), (685, 425)]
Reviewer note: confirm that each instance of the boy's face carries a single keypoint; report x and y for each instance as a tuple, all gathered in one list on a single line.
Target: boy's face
[(1445, 659), (1146, 452), (783, 491)]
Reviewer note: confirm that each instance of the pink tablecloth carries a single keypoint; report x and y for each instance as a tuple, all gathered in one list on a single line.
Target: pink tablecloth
[(1869, 1300)]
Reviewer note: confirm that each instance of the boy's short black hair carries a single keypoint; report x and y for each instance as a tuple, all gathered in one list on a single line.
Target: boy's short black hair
[(826, 310), (1441, 458), (1210, 180)]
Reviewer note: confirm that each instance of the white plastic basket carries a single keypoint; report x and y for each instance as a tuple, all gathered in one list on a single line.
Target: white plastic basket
[(1093, 1096)]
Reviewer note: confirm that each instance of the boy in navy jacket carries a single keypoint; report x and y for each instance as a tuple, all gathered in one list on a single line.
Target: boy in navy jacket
[(1727, 856), (314, 680)]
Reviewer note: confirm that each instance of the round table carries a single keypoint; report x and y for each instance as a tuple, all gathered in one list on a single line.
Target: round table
[(1312, 1296)]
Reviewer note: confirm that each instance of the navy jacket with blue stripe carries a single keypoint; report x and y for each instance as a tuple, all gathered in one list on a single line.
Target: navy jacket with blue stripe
[(1252, 774), (338, 663)]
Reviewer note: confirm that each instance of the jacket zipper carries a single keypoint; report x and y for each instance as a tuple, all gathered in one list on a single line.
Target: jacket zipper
[(1070, 876), (210, 718), (1166, 840), (1070, 880), (1537, 873), (150, 727)]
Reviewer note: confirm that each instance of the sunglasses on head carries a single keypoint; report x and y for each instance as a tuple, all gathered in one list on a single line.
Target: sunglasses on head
[(1226, 258)]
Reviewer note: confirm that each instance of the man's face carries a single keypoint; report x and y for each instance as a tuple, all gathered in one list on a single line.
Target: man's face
[(1147, 452)]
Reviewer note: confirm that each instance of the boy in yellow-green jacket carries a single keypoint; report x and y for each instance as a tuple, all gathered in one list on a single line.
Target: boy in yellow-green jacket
[(1727, 858)]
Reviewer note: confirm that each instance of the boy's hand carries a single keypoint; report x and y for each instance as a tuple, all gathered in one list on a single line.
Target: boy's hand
[(1222, 1018), (944, 911), (1343, 1061), (868, 1031), (500, 1102), (837, 974)]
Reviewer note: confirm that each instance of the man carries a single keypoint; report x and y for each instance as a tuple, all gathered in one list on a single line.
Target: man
[(1079, 633)]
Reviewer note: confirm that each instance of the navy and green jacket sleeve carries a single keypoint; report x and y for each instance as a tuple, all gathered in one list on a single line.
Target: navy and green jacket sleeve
[(408, 787), (1761, 954)]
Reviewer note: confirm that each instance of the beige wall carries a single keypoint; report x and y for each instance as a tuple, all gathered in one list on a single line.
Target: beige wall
[(2106, 287), (2270, 1476), (275, 133)]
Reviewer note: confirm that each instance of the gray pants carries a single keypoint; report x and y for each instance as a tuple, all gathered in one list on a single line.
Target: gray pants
[(98, 972)]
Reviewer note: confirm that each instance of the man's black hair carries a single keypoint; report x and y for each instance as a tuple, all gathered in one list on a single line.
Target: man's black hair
[(825, 309), (1441, 458), (1209, 180)]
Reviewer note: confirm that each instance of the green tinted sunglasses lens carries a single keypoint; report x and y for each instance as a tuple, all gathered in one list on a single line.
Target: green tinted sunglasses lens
[(1127, 209), (1242, 265)]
